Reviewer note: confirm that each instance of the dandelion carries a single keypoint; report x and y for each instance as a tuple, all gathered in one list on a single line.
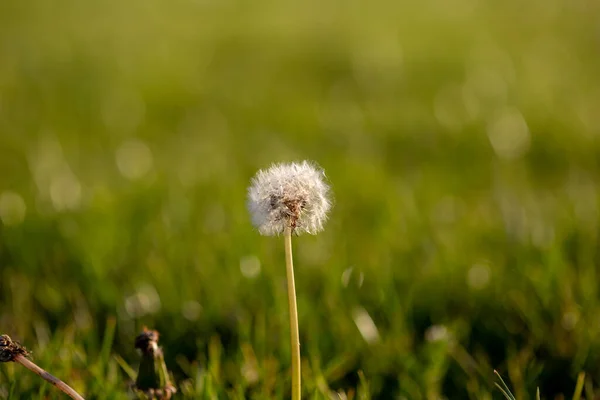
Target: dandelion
[(290, 198)]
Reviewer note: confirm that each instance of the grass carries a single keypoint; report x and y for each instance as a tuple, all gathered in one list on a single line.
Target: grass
[(462, 240), (506, 392)]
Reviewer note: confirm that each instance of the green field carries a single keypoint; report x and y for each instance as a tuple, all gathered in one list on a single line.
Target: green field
[(461, 141)]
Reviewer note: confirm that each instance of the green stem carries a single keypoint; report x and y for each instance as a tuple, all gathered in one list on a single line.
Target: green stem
[(294, 333)]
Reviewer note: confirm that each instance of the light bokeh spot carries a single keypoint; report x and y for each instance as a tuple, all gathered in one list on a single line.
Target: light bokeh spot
[(12, 208), (134, 159), (509, 134), (65, 191), (570, 319), (346, 276), (365, 325), (250, 266), (191, 310), (478, 276), (436, 333), (143, 302)]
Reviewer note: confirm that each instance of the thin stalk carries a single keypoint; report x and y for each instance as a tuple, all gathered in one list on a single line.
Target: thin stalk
[(579, 386), (294, 331), (47, 376), (506, 391)]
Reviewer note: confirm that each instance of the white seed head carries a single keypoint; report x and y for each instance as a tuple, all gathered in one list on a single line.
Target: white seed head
[(289, 195)]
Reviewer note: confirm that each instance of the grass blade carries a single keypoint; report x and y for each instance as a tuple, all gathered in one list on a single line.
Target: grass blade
[(107, 340), (506, 390), (579, 386), (503, 391), (363, 387), (12, 390), (123, 364), (589, 389)]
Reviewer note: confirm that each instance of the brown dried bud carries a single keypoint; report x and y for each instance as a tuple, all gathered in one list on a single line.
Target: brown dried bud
[(9, 349)]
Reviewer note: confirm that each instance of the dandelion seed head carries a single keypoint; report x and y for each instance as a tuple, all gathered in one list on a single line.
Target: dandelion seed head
[(291, 195)]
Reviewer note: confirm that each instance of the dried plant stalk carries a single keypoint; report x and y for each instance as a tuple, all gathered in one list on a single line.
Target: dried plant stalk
[(13, 351)]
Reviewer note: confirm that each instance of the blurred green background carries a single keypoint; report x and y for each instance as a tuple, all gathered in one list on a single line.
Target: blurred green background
[(460, 138)]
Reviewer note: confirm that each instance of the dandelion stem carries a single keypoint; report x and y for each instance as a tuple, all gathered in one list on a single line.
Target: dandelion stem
[(21, 359), (294, 332)]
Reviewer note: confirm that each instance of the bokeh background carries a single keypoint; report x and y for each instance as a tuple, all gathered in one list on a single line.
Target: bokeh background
[(460, 139)]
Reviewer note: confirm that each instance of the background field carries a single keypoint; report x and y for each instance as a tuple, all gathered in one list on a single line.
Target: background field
[(461, 142)]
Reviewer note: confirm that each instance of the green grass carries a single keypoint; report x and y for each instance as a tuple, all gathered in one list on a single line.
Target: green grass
[(128, 135)]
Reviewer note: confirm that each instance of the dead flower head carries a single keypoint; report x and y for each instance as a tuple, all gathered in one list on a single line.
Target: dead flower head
[(10, 349)]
